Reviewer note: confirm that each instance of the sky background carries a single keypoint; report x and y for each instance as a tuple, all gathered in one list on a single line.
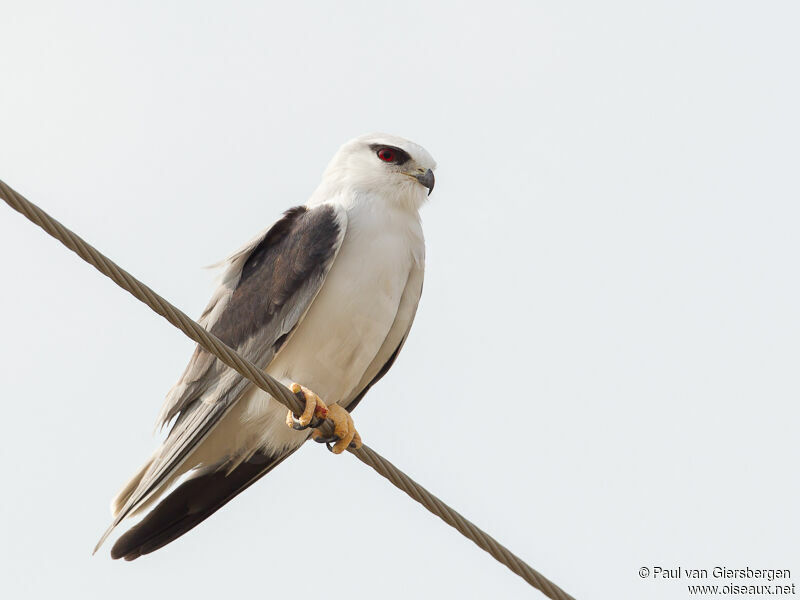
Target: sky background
[(603, 369)]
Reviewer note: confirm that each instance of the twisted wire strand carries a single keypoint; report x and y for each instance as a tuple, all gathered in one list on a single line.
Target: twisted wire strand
[(263, 380)]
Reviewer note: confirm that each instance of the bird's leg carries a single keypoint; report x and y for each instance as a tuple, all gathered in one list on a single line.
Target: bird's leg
[(344, 432), (316, 411)]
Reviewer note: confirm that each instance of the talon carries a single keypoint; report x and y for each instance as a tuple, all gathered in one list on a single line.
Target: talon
[(344, 429), (317, 436), (314, 411)]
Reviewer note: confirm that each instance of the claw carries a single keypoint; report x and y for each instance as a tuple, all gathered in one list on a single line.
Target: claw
[(344, 429), (297, 425), (321, 439), (315, 412)]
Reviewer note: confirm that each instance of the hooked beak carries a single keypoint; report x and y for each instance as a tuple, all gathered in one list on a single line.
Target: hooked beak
[(426, 179)]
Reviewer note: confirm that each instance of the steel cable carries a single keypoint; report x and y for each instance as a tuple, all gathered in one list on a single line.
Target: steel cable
[(277, 390)]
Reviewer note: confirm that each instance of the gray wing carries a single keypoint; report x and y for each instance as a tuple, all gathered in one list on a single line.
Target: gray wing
[(267, 288)]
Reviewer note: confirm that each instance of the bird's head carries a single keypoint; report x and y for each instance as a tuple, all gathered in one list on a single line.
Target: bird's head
[(388, 166)]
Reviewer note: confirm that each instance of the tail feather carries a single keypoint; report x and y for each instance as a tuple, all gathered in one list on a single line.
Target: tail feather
[(122, 497), (190, 503)]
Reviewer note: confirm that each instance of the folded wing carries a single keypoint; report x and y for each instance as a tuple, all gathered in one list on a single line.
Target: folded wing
[(266, 290)]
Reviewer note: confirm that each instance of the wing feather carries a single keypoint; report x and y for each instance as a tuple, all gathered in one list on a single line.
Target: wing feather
[(266, 290)]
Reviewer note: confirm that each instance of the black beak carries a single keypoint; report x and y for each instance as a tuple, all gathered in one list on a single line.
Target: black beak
[(427, 180)]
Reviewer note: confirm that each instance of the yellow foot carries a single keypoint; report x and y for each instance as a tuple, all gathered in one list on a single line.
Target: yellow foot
[(315, 408), (344, 432)]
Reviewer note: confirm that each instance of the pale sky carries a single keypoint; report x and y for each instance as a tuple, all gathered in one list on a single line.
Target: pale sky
[(603, 369)]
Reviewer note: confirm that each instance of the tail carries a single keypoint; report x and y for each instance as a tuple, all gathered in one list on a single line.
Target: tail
[(192, 502), (125, 493)]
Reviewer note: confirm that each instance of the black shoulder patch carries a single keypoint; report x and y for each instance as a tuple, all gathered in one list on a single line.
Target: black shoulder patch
[(297, 248), (278, 231)]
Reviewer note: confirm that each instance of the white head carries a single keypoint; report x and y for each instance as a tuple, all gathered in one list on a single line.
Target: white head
[(388, 166)]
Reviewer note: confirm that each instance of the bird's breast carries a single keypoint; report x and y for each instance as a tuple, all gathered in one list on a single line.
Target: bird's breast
[(346, 324)]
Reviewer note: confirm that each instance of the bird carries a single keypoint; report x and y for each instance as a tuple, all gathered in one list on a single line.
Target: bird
[(323, 300)]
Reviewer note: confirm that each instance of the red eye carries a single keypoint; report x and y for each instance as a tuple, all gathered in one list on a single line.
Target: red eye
[(386, 155)]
